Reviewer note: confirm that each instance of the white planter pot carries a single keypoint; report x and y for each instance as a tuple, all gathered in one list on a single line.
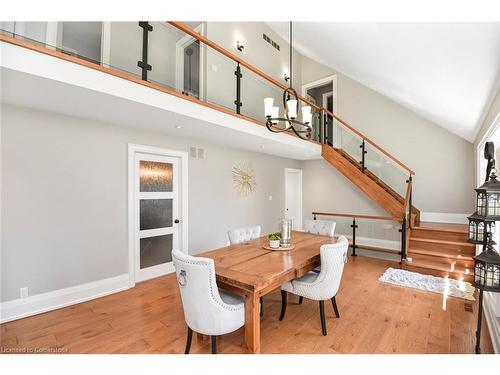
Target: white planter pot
[(274, 244)]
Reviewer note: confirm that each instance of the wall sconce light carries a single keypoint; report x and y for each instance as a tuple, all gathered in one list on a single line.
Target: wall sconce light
[(240, 46), (286, 76)]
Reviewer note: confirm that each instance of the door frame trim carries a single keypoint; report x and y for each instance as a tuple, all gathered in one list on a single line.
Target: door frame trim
[(299, 171), (322, 82), (184, 157)]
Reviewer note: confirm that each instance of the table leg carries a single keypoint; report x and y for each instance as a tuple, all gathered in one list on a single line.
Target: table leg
[(252, 323)]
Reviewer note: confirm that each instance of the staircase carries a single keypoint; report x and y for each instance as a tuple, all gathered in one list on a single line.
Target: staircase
[(381, 193), (441, 250), (431, 248)]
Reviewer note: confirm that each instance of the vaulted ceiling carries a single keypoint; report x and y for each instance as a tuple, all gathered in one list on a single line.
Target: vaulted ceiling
[(446, 72)]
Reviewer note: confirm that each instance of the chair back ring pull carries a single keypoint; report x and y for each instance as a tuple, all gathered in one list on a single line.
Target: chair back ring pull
[(181, 279)]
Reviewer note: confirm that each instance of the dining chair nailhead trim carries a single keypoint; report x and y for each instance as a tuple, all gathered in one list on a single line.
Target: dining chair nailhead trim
[(209, 264)]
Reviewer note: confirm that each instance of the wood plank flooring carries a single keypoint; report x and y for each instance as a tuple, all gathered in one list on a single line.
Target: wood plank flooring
[(374, 318)]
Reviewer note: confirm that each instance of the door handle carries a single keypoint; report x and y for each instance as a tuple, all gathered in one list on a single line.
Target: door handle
[(177, 221)]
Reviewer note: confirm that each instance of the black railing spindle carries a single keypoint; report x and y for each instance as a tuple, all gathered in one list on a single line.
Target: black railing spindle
[(146, 28), (238, 75), (354, 226), (403, 239), (363, 153)]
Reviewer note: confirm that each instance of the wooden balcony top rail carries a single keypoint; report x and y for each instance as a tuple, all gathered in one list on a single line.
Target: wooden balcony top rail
[(232, 56), (355, 216)]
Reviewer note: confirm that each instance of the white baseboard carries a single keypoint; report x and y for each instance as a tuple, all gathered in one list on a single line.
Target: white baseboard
[(40, 303), (492, 321), (443, 217)]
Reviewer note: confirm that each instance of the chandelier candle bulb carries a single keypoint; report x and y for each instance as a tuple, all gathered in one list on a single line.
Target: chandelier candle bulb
[(292, 108), (306, 114), (268, 107)]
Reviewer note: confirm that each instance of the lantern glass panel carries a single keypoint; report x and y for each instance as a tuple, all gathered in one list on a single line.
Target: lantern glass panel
[(493, 204), (472, 230), (480, 231), (481, 204), (479, 278), (492, 276)]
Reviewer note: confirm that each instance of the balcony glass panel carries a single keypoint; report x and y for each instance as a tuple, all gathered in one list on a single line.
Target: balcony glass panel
[(220, 80), (81, 39)]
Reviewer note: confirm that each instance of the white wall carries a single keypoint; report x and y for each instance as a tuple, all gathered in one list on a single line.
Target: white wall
[(443, 162), (64, 198), (220, 78)]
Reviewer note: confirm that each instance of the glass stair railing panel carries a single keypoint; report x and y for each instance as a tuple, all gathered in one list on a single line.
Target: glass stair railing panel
[(347, 141), (376, 233), (385, 169)]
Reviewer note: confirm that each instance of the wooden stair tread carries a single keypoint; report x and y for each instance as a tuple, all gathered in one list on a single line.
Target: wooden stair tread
[(441, 267), (442, 242), (442, 227), (442, 254)]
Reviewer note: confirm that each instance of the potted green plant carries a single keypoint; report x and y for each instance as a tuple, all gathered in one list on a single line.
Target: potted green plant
[(274, 240)]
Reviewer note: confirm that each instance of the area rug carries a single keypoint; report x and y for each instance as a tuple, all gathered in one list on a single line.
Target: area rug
[(444, 286)]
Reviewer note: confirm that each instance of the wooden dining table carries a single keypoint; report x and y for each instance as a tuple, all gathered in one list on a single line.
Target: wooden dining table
[(249, 270)]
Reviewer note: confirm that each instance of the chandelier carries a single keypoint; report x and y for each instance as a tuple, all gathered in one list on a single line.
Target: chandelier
[(289, 121)]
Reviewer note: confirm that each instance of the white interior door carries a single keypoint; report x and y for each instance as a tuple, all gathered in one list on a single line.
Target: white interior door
[(156, 214), (293, 197)]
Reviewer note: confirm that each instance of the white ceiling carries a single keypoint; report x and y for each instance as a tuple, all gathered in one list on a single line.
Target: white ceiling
[(446, 72)]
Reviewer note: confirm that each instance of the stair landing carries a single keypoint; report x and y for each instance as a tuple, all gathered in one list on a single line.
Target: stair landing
[(441, 249)]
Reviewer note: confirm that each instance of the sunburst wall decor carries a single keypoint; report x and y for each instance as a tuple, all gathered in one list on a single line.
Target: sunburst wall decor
[(244, 179)]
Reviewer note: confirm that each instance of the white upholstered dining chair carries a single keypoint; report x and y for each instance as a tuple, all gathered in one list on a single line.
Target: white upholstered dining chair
[(321, 227), (243, 234), (207, 309), (240, 235), (320, 286)]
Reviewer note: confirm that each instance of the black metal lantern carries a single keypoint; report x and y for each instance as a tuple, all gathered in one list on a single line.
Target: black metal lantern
[(486, 278), (488, 199), (479, 227), (487, 270)]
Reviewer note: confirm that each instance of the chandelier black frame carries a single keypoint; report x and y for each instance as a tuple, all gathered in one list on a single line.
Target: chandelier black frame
[(304, 132)]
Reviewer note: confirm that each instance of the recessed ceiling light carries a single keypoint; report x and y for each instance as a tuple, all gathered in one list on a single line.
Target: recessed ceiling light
[(178, 126)]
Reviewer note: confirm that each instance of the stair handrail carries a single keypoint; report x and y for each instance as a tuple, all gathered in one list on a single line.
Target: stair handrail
[(356, 216), (186, 29)]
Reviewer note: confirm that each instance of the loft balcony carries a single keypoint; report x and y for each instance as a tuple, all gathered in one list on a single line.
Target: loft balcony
[(93, 71)]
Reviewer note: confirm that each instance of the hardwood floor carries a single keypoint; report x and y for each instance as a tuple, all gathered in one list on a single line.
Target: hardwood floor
[(374, 318)]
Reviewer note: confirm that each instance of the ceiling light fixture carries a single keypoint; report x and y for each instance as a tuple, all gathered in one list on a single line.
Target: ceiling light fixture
[(291, 106)]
